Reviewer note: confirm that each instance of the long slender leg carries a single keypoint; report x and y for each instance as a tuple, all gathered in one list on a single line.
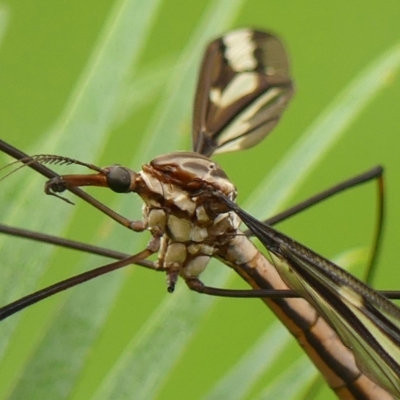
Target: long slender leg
[(69, 244), (198, 286), (33, 298), (375, 173)]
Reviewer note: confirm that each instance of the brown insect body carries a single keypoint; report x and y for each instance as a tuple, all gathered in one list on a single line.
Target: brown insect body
[(183, 213), (179, 209)]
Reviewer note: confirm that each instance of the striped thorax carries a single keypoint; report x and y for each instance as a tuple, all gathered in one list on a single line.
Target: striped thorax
[(179, 208)]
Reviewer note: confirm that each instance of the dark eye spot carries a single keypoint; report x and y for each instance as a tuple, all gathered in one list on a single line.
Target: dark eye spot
[(119, 179)]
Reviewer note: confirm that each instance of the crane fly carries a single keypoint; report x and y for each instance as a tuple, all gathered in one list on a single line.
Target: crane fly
[(350, 332)]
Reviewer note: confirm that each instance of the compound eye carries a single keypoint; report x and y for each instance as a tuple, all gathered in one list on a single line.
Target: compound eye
[(119, 179)]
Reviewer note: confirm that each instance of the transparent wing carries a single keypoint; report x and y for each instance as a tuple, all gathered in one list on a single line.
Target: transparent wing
[(243, 88), (367, 322)]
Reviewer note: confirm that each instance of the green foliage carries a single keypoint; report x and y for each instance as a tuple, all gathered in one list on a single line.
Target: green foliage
[(112, 82)]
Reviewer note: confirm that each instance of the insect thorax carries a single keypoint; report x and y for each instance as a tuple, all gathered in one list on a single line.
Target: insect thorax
[(180, 208)]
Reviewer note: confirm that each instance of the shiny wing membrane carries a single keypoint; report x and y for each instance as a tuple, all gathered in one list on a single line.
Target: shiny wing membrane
[(243, 88), (366, 321)]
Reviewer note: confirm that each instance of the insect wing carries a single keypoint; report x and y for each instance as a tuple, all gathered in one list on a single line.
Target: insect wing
[(368, 324), (243, 88), (366, 321)]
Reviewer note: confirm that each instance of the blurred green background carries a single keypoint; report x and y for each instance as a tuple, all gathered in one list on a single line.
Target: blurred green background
[(67, 88)]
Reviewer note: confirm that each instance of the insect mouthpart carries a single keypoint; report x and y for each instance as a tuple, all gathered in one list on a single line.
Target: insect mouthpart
[(55, 185)]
